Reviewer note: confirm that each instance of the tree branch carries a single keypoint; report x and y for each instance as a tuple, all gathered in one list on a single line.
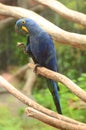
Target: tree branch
[(20, 73), (73, 39), (30, 80), (6, 22), (66, 13), (31, 112), (40, 108), (61, 78)]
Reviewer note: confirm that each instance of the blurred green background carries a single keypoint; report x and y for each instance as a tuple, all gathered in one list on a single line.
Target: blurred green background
[(71, 62)]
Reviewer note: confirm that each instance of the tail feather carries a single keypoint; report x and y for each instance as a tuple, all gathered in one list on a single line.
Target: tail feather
[(54, 91)]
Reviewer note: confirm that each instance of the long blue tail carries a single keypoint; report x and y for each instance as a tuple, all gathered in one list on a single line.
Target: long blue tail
[(54, 91)]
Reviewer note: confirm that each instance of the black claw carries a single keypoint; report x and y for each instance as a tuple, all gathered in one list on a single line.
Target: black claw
[(35, 68)]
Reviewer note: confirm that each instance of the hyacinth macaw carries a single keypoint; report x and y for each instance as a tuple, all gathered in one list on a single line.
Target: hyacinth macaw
[(41, 48)]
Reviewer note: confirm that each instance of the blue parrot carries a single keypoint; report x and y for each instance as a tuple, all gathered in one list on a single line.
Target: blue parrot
[(41, 48)]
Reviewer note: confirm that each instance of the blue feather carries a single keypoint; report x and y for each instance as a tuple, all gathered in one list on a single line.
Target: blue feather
[(53, 87), (41, 48)]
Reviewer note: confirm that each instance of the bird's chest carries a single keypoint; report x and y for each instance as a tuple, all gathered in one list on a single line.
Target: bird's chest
[(34, 45)]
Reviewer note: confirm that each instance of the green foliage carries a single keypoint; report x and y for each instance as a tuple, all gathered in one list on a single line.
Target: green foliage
[(7, 121), (69, 102), (44, 98), (32, 124), (81, 81), (71, 62), (10, 122), (10, 54), (19, 57)]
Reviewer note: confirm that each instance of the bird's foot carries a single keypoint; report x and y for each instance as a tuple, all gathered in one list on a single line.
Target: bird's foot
[(21, 45), (35, 68)]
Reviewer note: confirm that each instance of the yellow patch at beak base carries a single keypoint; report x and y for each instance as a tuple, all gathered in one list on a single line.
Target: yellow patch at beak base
[(25, 29)]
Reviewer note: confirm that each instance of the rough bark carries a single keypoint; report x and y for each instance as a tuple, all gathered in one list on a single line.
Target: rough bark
[(73, 39), (21, 72), (61, 78), (52, 121), (30, 80), (6, 22), (59, 120), (65, 12)]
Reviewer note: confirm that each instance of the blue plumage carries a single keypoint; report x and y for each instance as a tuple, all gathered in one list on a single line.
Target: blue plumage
[(41, 48)]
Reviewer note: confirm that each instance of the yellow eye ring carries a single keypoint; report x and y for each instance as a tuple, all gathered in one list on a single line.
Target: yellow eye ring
[(23, 22)]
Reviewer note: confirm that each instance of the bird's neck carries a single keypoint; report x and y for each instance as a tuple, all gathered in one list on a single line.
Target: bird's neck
[(35, 31)]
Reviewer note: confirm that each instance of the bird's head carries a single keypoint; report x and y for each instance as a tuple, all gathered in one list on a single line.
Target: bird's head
[(21, 26), (27, 26)]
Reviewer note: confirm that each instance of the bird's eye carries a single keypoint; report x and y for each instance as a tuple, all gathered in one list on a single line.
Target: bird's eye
[(23, 22)]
